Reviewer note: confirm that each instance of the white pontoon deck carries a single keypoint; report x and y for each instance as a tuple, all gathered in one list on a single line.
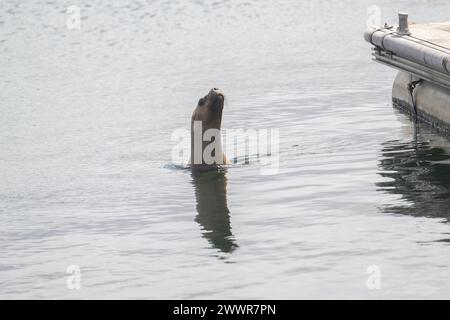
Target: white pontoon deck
[(422, 54)]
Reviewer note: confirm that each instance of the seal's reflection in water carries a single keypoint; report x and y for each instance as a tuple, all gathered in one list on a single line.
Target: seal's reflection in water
[(213, 214), (420, 172)]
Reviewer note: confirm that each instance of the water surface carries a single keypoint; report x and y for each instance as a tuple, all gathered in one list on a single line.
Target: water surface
[(86, 176)]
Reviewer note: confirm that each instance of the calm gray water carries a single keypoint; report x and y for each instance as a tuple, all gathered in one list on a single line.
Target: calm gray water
[(86, 176)]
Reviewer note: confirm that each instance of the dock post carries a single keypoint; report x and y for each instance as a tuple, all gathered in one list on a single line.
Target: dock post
[(403, 28)]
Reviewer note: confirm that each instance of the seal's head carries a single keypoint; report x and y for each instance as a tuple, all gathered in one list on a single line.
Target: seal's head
[(209, 109), (207, 115)]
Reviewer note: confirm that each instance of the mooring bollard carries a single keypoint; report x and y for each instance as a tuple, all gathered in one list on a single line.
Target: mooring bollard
[(403, 28)]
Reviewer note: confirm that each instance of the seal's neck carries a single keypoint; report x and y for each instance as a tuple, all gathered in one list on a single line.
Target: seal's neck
[(206, 144)]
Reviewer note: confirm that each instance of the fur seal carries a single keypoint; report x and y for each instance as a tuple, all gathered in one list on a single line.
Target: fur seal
[(206, 140)]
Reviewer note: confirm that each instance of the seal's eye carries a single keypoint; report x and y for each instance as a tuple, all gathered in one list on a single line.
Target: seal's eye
[(201, 101)]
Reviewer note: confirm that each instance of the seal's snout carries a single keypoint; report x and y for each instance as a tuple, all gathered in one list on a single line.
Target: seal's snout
[(217, 92)]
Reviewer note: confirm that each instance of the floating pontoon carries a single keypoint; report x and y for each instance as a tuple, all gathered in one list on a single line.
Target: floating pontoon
[(422, 54)]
